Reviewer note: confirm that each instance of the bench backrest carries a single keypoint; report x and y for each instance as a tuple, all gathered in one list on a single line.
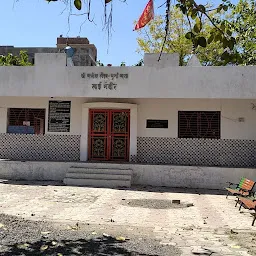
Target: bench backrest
[(241, 183), (246, 184)]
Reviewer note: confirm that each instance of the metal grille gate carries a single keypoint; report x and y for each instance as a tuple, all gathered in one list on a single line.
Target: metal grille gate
[(109, 134)]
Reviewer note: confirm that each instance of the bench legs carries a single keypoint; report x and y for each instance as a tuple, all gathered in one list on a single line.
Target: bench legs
[(237, 201), (254, 215), (227, 195)]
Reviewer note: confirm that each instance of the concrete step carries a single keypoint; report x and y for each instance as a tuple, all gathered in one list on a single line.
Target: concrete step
[(93, 170), (97, 176), (97, 183)]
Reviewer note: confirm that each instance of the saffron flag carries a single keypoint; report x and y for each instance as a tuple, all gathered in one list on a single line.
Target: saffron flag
[(146, 16)]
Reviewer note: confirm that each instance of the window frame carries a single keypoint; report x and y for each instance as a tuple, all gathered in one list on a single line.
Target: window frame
[(212, 117), (17, 116)]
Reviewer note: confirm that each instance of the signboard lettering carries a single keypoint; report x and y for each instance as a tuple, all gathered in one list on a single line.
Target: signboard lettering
[(157, 123), (104, 85), (59, 116), (104, 75)]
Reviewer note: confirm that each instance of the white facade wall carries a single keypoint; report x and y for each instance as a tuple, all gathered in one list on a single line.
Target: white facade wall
[(164, 109), (167, 109), (55, 80), (39, 102)]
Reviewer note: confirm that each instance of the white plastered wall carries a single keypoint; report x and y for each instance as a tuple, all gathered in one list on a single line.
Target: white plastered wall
[(167, 109), (141, 110), (107, 105), (41, 102)]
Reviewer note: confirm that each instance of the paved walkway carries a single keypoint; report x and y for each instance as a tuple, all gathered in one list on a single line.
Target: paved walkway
[(206, 224)]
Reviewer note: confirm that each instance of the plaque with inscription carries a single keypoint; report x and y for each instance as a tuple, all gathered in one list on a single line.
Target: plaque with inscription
[(157, 123), (59, 116)]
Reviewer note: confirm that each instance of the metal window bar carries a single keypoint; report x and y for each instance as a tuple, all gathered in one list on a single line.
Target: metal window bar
[(199, 124), (35, 117)]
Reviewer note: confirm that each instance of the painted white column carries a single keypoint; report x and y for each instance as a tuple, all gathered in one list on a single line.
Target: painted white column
[(133, 131), (3, 120), (84, 134)]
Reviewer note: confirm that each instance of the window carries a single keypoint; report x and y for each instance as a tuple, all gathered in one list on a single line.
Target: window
[(26, 121), (199, 124)]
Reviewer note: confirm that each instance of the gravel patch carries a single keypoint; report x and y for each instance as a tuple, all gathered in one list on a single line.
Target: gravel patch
[(19, 236), (246, 240), (154, 203)]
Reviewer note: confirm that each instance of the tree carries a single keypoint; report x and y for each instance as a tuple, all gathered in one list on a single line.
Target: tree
[(151, 38), (219, 30), (244, 27), (241, 21), (11, 60)]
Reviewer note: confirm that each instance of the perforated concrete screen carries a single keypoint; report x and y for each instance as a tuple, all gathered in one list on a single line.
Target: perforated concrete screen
[(40, 147), (196, 152)]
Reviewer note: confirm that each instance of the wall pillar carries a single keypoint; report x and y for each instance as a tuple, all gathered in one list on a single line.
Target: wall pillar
[(84, 134), (3, 120), (133, 132)]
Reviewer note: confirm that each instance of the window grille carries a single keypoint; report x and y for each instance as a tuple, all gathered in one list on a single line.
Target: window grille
[(26, 121), (199, 124)]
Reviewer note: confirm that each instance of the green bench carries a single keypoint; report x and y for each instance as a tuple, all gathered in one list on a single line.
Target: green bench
[(243, 188)]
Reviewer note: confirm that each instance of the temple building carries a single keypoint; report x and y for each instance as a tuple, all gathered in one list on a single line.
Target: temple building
[(164, 124)]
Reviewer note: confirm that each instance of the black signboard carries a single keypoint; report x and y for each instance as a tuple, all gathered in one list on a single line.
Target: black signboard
[(157, 123), (59, 116)]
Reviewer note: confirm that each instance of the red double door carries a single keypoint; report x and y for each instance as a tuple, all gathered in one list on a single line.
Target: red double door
[(109, 134)]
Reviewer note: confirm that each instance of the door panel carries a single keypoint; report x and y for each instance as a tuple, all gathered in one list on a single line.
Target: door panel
[(99, 147), (119, 148), (98, 134), (99, 122), (120, 122), (109, 135), (120, 131)]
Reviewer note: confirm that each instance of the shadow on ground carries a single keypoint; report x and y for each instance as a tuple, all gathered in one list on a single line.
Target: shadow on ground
[(32, 182), (133, 188), (96, 246)]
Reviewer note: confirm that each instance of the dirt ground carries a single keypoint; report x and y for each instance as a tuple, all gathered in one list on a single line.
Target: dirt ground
[(44, 218), (23, 237), (245, 239)]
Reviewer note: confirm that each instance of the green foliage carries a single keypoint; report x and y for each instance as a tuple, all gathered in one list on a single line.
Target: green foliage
[(78, 4), (243, 25), (11, 60), (219, 29), (198, 35), (205, 27), (99, 64), (140, 63), (234, 29), (179, 41)]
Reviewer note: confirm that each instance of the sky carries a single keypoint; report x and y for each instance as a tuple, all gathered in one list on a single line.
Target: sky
[(35, 23)]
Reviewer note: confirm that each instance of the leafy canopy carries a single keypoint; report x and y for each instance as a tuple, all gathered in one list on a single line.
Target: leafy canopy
[(243, 23), (150, 39), (11, 60), (198, 16)]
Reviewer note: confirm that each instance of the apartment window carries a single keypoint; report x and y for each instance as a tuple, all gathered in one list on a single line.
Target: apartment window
[(199, 124), (26, 121)]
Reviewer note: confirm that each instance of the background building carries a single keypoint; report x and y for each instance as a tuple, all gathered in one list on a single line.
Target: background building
[(85, 53)]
